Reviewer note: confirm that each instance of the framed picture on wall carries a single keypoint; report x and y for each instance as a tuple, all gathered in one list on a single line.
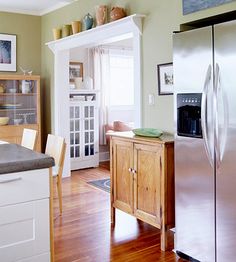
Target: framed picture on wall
[(165, 79), (75, 70), (7, 52), (190, 6)]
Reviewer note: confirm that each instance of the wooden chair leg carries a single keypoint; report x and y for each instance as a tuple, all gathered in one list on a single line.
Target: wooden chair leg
[(59, 190)]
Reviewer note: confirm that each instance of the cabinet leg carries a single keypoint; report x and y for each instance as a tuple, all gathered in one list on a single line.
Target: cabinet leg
[(113, 215), (167, 238)]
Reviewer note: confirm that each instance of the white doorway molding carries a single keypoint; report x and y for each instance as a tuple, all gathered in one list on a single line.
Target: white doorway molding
[(125, 28)]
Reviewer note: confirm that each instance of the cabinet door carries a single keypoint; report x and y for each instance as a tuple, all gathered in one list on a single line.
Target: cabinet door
[(147, 189), (83, 135), (19, 107), (90, 129), (25, 230), (122, 161), (75, 131)]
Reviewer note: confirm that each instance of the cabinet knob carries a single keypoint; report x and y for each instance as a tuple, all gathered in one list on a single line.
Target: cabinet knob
[(130, 169), (134, 171)]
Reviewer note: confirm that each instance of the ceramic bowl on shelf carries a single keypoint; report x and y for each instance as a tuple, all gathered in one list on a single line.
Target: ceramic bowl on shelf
[(78, 98), (4, 120), (12, 90), (17, 121), (89, 98), (149, 132)]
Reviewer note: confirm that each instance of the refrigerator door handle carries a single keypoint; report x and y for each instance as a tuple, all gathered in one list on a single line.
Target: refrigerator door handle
[(205, 131), (220, 136)]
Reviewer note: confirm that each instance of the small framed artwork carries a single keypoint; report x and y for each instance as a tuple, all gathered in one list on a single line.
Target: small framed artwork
[(75, 70), (190, 6), (165, 79), (7, 52)]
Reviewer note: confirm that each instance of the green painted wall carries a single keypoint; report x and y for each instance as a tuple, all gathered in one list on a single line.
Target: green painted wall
[(27, 29), (207, 12), (162, 18)]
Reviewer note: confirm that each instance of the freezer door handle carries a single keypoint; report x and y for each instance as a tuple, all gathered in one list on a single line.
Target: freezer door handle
[(205, 131), (220, 134)]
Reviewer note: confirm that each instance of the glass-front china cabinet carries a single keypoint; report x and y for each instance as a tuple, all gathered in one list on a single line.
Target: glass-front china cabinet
[(19, 107), (83, 129)]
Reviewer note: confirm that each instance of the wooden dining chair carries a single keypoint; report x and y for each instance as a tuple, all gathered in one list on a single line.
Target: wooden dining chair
[(29, 138), (56, 148)]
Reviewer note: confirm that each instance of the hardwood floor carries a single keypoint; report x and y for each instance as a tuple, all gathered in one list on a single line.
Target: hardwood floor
[(84, 233)]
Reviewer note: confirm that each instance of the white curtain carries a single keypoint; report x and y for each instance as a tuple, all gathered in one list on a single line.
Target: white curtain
[(101, 76)]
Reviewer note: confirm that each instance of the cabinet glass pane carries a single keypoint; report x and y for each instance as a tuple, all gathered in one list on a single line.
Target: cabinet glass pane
[(91, 137), (71, 125), (86, 137), (91, 124), (72, 138), (77, 153), (77, 112), (71, 112), (86, 150), (86, 125), (91, 111), (71, 151), (86, 111), (91, 150), (18, 101), (77, 138), (77, 125)]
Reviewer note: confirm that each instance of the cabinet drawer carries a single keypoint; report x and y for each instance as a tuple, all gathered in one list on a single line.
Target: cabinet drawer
[(24, 186), (25, 231)]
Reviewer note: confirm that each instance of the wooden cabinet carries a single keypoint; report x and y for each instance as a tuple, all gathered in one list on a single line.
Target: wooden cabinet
[(20, 105), (84, 148), (142, 180)]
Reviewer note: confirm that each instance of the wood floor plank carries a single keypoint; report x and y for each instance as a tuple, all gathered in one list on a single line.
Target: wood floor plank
[(84, 234)]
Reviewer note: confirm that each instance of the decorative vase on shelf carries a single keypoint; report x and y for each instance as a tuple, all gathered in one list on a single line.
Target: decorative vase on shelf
[(88, 83), (88, 22), (76, 27), (117, 13), (101, 14), (56, 33), (78, 82), (66, 30)]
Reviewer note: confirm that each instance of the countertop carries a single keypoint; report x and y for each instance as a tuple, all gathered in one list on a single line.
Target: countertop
[(163, 139), (15, 158)]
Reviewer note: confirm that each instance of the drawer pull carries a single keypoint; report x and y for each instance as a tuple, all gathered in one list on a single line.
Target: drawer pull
[(9, 180)]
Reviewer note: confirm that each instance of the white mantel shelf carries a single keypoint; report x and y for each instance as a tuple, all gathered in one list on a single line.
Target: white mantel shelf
[(98, 35)]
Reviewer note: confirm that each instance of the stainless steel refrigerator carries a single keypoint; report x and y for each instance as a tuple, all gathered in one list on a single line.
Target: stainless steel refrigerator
[(205, 142)]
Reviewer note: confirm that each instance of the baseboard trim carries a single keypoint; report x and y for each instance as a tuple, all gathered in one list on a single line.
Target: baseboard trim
[(104, 156)]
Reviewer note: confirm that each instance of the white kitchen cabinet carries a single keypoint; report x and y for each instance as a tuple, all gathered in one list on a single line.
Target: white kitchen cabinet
[(24, 216), (84, 129)]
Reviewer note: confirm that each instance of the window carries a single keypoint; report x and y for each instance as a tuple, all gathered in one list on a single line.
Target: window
[(121, 78)]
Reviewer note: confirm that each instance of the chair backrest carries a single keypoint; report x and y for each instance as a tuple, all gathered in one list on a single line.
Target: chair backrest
[(29, 138), (55, 148)]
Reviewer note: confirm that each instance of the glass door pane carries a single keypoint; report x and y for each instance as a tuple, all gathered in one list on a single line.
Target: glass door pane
[(75, 118), (18, 101), (89, 130)]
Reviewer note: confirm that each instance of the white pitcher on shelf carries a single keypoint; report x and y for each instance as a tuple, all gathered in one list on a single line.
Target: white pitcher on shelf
[(26, 87)]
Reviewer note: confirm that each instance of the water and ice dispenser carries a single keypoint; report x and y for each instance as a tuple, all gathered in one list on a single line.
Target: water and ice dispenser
[(189, 115)]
